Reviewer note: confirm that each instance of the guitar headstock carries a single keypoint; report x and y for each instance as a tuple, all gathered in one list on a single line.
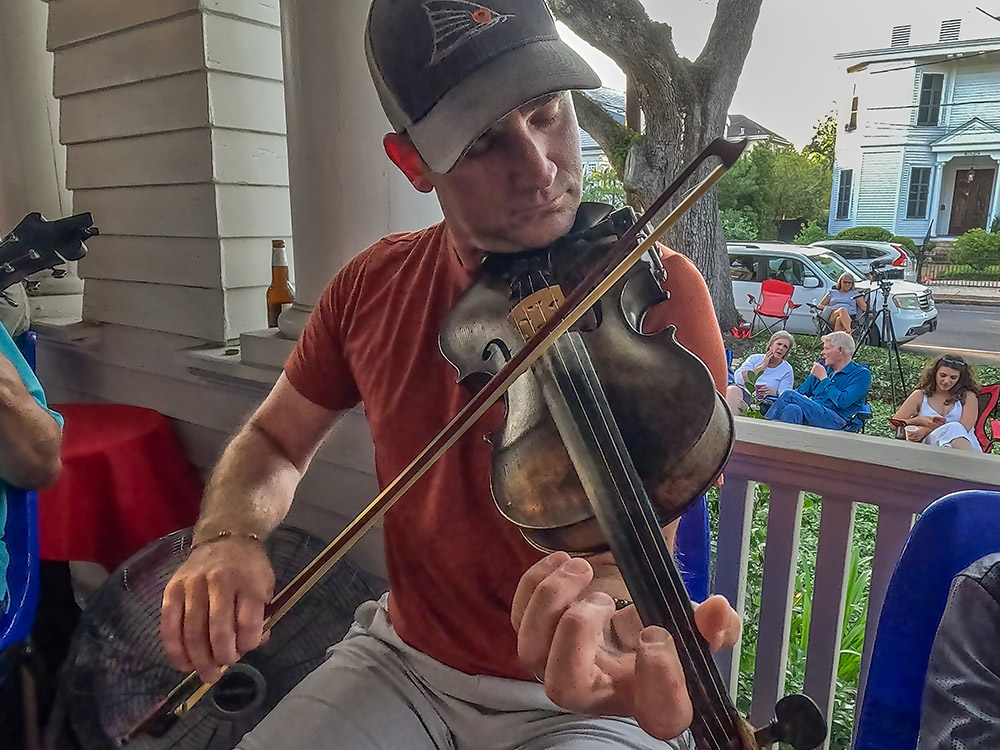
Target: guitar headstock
[(36, 244)]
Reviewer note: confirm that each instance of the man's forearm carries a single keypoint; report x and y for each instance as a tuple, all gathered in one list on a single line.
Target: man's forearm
[(251, 488), (30, 439)]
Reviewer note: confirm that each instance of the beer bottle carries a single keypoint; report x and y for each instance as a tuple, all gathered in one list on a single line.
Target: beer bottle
[(280, 294)]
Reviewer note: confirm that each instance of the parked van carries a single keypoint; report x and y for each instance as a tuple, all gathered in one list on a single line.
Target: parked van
[(813, 272)]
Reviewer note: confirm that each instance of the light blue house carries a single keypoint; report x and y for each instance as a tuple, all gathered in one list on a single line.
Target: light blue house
[(918, 145)]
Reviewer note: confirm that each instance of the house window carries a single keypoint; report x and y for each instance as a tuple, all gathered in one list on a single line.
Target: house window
[(950, 30), (929, 109), (900, 36), (920, 188), (853, 122), (844, 194)]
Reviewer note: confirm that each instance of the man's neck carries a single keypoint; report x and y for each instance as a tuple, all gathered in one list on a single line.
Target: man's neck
[(465, 257), (838, 368)]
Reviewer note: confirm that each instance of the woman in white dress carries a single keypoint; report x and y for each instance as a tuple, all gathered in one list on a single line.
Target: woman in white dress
[(774, 373), (944, 407)]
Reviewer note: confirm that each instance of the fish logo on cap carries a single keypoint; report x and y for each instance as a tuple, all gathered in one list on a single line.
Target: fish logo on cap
[(454, 22)]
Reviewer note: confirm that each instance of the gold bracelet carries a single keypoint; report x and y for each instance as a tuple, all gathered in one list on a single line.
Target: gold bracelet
[(226, 534)]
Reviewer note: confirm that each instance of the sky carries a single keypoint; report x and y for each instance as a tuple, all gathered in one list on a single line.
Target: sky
[(790, 80)]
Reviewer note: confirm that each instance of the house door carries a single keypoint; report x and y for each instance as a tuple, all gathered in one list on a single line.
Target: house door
[(971, 204)]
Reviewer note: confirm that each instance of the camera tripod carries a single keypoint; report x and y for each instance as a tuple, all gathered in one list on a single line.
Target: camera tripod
[(886, 333)]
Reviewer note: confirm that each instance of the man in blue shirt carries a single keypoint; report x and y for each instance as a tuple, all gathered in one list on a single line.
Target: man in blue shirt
[(832, 394), (30, 438)]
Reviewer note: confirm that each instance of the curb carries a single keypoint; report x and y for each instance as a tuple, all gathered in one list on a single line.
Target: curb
[(959, 299)]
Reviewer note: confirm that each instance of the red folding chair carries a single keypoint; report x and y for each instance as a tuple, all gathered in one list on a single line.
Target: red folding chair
[(989, 395), (775, 302)]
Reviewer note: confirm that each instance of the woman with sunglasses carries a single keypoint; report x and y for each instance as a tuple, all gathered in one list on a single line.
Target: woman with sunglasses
[(943, 409), (842, 303)]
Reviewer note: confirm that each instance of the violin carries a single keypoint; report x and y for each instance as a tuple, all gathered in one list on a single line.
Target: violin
[(610, 437), (609, 434)]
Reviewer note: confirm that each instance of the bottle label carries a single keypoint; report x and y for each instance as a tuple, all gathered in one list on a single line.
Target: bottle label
[(279, 257)]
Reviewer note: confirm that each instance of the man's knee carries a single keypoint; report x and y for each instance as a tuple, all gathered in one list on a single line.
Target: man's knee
[(792, 414)]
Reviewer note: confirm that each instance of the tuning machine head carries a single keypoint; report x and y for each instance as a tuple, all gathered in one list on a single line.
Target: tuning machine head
[(797, 722)]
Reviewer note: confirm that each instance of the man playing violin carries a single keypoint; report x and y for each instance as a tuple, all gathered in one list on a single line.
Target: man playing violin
[(478, 96)]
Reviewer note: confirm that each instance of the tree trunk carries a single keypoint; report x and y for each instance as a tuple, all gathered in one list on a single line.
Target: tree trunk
[(685, 105), (698, 235)]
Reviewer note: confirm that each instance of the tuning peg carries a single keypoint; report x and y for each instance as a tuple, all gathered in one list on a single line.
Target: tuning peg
[(798, 722), (58, 272)]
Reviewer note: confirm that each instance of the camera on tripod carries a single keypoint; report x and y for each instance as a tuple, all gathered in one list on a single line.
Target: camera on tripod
[(879, 274)]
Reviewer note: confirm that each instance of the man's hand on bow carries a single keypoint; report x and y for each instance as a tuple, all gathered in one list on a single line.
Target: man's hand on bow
[(597, 660)]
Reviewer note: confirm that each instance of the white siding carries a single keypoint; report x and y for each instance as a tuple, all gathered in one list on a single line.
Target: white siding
[(878, 188), (981, 89)]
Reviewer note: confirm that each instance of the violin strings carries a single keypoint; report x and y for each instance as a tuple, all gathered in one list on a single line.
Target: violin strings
[(695, 655), (727, 719)]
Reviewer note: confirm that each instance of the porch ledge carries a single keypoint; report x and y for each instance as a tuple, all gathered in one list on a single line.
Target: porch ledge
[(848, 464), (256, 361)]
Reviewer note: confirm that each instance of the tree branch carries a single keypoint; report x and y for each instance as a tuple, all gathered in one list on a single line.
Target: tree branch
[(621, 29), (721, 60), (605, 129)]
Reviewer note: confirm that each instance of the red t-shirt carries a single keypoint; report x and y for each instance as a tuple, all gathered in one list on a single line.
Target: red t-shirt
[(453, 560)]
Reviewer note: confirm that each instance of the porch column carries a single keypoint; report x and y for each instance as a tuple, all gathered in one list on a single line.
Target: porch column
[(345, 193), (995, 199), (172, 116), (32, 162), (935, 205)]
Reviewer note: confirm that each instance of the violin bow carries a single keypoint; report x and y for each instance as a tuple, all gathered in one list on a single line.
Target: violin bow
[(619, 259)]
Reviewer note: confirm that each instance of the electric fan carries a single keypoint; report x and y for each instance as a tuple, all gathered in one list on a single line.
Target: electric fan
[(116, 671)]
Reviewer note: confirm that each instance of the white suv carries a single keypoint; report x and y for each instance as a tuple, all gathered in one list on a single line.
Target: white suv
[(895, 258), (813, 271)]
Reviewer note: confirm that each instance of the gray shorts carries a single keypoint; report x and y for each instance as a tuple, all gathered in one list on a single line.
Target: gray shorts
[(376, 693)]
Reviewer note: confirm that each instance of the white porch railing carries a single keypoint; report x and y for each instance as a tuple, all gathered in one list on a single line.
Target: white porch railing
[(900, 478)]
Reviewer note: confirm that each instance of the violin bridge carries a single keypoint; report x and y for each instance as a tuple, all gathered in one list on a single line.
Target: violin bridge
[(535, 310)]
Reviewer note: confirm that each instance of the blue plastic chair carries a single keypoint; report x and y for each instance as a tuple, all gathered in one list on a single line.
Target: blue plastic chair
[(731, 378), (27, 342), (950, 535), (21, 538), (693, 550)]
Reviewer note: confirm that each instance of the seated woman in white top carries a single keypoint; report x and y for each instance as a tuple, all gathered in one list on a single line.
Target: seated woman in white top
[(842, 303), (944, 407), (775, 374)]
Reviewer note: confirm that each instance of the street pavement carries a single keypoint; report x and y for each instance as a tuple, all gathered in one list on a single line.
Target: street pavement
[(968, 324)]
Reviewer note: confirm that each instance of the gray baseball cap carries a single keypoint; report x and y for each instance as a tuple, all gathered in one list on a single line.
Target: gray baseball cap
[(447, 71)]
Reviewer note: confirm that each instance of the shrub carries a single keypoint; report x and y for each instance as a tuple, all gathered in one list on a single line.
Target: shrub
[(739, 226), (811, 232), (977, 248), (968, 273), (995, 225), (905, 242), (601, 185), (871, 234)]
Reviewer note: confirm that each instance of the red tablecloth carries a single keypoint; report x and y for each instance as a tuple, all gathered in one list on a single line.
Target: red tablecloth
[(125, 481)]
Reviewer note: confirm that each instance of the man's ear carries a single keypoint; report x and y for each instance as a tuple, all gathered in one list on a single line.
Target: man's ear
[(401, 151)]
